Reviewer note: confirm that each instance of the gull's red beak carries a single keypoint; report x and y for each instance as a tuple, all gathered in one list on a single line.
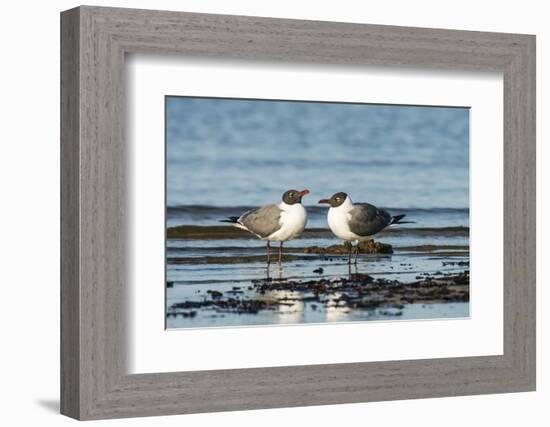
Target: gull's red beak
[(327, 201), (303, 193)]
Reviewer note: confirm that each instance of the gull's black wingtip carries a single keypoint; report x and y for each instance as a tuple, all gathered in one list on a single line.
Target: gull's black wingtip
[(231, 220), (397, 220)]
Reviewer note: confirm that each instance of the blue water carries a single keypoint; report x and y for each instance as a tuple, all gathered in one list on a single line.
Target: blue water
[(317, 215), (247, 152)]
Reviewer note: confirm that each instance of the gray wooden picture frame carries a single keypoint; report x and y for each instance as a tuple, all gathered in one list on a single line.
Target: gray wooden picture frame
[(94, 41)]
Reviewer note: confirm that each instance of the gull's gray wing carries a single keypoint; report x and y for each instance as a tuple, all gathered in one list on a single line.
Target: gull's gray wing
[(262, 221), (367, 220)]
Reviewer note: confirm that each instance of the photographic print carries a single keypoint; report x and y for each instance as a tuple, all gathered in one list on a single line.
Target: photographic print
[(308, 212)]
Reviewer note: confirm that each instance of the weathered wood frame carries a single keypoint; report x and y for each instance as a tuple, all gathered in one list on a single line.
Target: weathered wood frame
[(94, 41)]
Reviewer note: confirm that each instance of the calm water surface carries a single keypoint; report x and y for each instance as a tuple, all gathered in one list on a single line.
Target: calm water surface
[(240, 153)]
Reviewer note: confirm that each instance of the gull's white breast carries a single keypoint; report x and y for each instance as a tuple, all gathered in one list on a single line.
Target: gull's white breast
[(338, 221), (293, 222)]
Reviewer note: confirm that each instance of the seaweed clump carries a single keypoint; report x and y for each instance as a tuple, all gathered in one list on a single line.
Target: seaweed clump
[(364, 247), (357, 291)]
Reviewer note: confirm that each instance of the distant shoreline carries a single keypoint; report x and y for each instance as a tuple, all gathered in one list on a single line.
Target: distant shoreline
[(215, 232)]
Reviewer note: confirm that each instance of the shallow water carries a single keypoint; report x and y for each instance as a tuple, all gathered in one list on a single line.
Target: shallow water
[(201, 269), (192, 283)]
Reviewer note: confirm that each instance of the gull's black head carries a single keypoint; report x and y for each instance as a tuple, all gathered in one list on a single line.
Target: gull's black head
[(291, 197), (336, 200)]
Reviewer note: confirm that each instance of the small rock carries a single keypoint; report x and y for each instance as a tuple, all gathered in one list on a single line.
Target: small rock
[(365, 247), (214, 294), (391, 312)]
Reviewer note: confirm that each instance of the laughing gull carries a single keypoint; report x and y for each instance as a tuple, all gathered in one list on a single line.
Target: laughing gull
[(356, 222), (277, 222)]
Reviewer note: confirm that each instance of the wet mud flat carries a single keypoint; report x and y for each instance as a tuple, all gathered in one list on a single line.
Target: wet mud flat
[(358, 291), (391, 292), (237, 255), (200, 232), (218, 277)]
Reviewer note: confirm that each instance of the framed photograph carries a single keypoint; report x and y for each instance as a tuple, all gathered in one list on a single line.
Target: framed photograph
[(262, 213)]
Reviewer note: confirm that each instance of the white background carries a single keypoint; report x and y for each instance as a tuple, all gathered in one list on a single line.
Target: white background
[(29, 176), (154, 350)]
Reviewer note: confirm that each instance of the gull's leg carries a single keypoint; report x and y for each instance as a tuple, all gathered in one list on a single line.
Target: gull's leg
[(349, 255), (280, 252), (267, 250), (356, 251)]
